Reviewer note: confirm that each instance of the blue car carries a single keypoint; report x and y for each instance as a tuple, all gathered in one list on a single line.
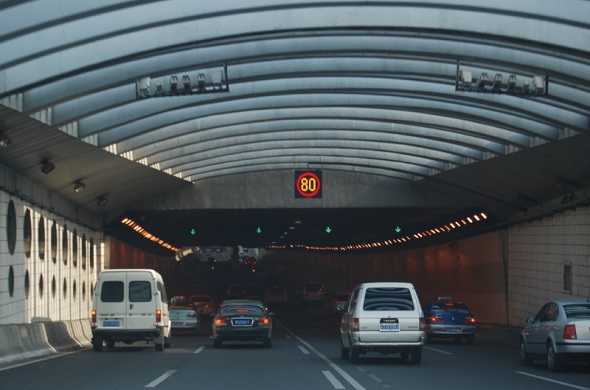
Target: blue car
[(446, 318)]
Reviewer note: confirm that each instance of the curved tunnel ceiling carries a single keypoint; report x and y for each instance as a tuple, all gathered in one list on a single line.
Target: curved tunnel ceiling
[(369, 87)]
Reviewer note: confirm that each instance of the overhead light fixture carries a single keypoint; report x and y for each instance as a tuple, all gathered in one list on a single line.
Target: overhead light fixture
[(102, 201), (4, 140), (79, 186), (210, 80), (174, 85), (186, 81), (47, 166), (532, 86), (201, 81)]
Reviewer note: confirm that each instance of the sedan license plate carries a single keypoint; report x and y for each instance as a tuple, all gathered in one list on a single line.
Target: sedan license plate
[(242, 322), (389, 325), (111, 324), (453, 330), (178, 324)]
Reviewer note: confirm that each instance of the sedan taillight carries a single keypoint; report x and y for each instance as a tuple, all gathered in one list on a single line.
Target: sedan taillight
[(219, 321), (191, 315), (470, 320), (264, 321), (569, 332)]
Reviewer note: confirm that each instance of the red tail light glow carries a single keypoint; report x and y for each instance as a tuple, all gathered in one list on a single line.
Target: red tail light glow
[(422, 324), (436, 318), (158, 315), (355, 325), (191, 315), (219, 321), (264, 321), (569, 332), (470, 320), (93, 315)]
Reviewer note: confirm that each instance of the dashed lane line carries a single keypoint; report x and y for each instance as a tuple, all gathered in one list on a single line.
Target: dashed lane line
[(161, 379), (332, 379), (553, 381)]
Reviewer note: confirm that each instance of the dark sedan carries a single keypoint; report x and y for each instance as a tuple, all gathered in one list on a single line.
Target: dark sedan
[(242, 320)]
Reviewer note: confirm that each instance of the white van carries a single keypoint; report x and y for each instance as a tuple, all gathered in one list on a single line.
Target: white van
[(130, 305), (384, 317)]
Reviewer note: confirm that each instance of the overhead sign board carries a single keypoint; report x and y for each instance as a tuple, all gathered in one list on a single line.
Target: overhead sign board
[(308, 184)]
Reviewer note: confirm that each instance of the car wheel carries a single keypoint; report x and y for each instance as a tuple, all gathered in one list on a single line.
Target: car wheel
[(167, 342), (354, 355), (268, 342), (553, 359), (159, 347), (110, 344), (524, 355), (416, 355), (97, 345)]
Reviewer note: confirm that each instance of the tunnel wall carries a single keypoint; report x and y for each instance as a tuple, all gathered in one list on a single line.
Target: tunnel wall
[(502, 276), (470, 270)]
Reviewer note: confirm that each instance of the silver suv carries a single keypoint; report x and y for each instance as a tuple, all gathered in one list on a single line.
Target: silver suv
[(384, 317)]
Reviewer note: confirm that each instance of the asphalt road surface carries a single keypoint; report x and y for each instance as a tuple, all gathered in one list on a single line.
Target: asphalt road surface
[(305, 355)]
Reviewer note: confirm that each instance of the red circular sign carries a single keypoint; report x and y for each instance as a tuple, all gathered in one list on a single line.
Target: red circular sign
[(308, 184)]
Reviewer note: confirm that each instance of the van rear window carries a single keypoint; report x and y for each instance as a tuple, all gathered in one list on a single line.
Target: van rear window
[(382, 299), (140, 291), (112, 291)]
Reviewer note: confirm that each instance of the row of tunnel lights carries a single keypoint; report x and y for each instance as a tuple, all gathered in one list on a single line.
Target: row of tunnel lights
[(447, 228)]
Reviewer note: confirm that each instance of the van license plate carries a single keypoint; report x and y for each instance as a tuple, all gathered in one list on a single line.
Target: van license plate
[(389, 325), (111, 324)]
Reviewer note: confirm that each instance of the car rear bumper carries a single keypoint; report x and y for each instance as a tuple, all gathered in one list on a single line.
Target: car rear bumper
[(449, 330), (242, 334)]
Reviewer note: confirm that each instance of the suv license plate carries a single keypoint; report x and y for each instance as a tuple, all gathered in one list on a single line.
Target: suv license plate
[(388, 327)]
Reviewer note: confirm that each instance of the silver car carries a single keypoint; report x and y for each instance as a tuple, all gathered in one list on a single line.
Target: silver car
[(559, 333), (383, 317)]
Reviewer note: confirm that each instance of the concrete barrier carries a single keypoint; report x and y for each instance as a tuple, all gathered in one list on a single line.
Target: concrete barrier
[(38, 339)]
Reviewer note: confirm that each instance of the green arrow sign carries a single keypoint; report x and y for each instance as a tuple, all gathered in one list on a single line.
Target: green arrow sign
[(398, 229), (258, 230), (328, 229), (193, 231)]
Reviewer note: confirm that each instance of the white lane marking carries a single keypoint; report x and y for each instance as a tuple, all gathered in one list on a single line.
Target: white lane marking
[(552, 380), (40, 360), (375, 378), (438, 350), (335, 382), (361, 369), (202, 347), (305, 351), (335, 367), (161, 379)]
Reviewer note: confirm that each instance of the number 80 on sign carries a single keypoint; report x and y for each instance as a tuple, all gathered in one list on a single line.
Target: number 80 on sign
[(308, 184)]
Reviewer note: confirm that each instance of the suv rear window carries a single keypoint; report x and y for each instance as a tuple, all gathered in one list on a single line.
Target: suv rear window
[(393, 298)]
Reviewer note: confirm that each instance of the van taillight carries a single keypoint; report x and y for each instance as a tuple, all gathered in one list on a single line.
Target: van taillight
[(158, 315), (355, 325), (93, 316)]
